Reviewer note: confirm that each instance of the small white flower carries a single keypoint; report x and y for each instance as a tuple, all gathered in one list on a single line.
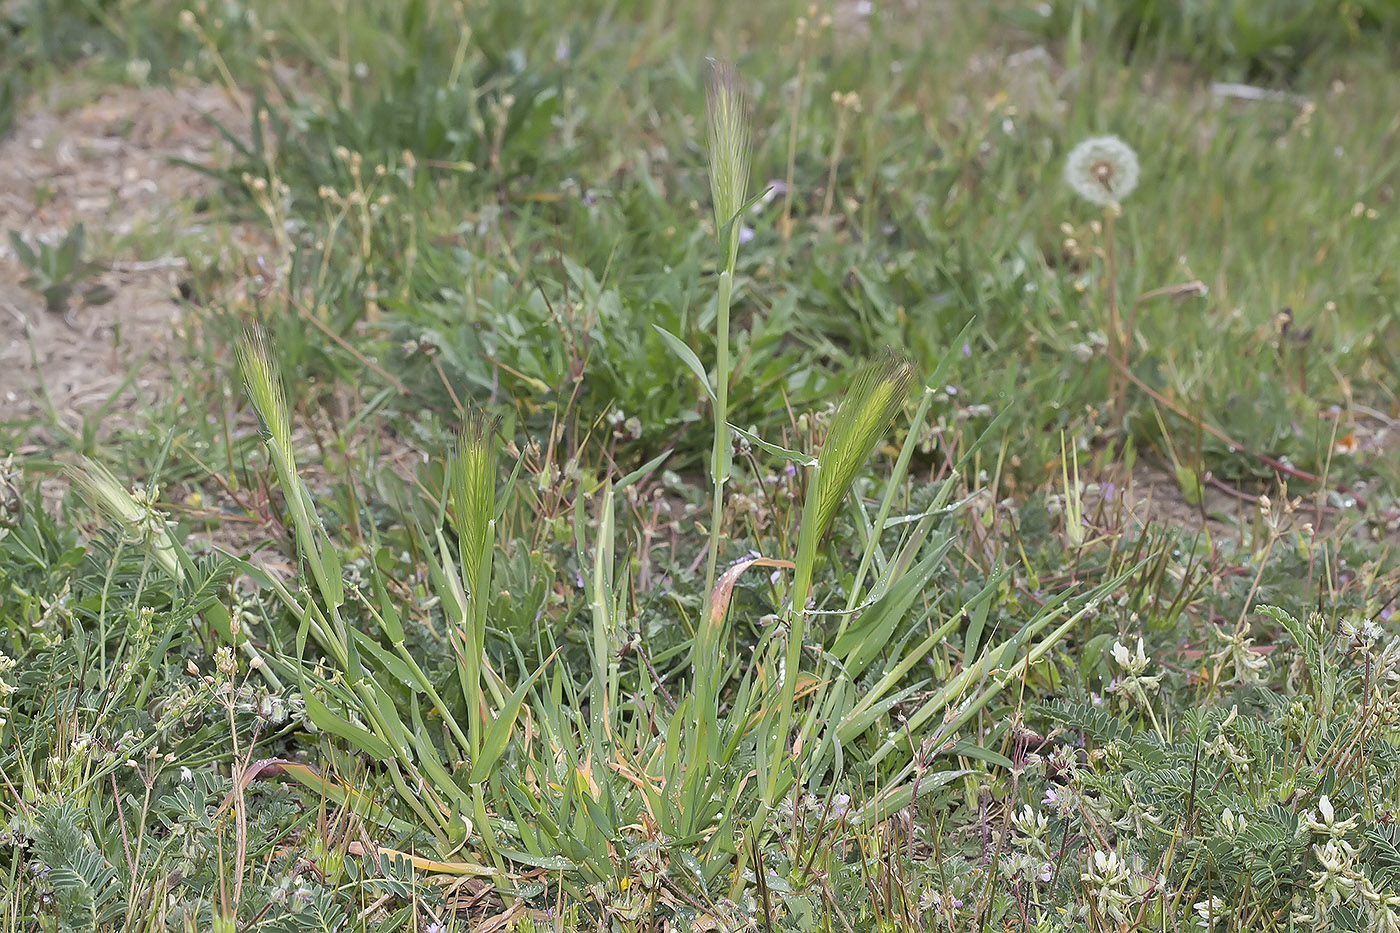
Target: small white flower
[(1135, 685), (1102, 170), (1120, 654), (1030, 822), (1326, 821), (1106, 876), (1338, 880), (1211, 911), (1238, 649), (1133, 662), (138, 70)]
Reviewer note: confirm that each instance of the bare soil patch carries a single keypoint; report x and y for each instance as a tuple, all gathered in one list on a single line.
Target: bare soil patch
[(108, 165), (1154, 496)]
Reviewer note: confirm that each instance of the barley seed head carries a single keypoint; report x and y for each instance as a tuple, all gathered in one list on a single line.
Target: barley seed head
[(875, 397), (729, 140), (263, 380)]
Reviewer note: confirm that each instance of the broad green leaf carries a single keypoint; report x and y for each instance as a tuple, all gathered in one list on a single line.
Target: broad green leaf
[(357, 736), (890, 803), (441, 781), (392, 664), (388, 615), (865, 715), (970, 749), (642, 471), (548, 862), (343, 796), (981, 604), (686, 356)]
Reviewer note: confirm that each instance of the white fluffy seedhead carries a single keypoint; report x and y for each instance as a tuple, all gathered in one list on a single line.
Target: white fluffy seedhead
[(1102, 169)]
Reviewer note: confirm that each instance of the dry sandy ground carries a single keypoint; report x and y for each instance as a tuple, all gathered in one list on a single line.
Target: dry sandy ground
[(105, 164)]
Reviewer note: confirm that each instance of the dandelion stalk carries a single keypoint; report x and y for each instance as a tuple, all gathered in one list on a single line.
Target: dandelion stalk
[(846, 104), (729, 179), (1117, 339), (1104, 170)]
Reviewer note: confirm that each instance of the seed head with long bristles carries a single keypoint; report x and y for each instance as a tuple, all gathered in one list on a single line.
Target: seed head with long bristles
[(474, 487), (729, 142), (263, 381), (140, 520), (875, 397)]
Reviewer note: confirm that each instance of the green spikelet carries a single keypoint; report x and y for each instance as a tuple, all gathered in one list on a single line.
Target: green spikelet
[(264, 384), (875, 397), (474, 490), (729, 141), (140, 520)]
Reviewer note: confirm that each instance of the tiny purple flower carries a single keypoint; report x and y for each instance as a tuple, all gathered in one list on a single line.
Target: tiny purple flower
[(748, 555), (967, 349)]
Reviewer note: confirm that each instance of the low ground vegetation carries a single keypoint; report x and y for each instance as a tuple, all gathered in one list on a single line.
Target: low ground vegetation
[(920, 468)]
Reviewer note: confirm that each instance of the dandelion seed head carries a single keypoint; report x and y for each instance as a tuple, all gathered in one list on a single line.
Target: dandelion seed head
[(1103, 170)]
